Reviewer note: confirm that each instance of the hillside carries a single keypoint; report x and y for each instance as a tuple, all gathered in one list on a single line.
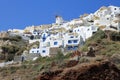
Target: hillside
[(104, 66), (11, 46), (94, 71), (86, 48), (104, 42)]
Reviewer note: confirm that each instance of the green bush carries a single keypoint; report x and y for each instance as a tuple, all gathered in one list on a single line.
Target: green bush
[(17, 46), (10, 57), (15, 38), (102, 45), (67, 56), (83, 59), (99, 59), (12, 38), (13, 69), (59, 56), (24, 66), (97, 36), (95, 39)]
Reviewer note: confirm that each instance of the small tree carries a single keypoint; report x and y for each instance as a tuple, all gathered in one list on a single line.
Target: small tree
[(9, 51), (4, 51), (59, 56)]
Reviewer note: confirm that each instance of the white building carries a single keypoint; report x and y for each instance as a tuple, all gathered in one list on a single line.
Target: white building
[(114, 9), (85, 32), (43, 51), (71, 41), (67, 41), (16, 31), (59, 20), (106, 16), (74, 33)]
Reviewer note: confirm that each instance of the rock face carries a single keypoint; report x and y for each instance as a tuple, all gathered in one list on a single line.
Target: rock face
[(96, 71), (91, 52), (4, 35)]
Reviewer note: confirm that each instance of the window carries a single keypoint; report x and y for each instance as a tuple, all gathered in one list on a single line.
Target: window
[(114, 8), (55, 43), (69, 41), (69, 48), (44, 39), (34, 32), (32, 51), (94, 32), (48, 34), (37, 51), (75, 41), (71, 31), (93, 28), (43, 35), (107, 18), (111, 15), (43, 51), (71, 36)]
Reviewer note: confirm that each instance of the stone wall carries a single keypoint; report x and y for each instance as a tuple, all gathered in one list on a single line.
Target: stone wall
[(27, 57)]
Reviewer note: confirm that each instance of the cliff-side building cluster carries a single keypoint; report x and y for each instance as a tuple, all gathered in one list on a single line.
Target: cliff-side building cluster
[(70, 35)]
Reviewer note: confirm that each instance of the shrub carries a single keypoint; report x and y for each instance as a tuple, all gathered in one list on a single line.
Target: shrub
[(59, 56), (115, 58), (96, 38), (115, 36), (10, 57), (24, 66), (68, 55), (15, 38), (83, 59), (13, 69), (37, 67)]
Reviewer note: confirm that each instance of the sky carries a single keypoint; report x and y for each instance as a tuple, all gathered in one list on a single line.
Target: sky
[(17, 14)]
